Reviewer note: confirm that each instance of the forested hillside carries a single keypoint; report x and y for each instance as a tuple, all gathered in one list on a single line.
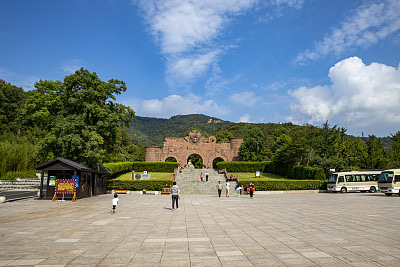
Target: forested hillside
[(152, 131), (78, 119)]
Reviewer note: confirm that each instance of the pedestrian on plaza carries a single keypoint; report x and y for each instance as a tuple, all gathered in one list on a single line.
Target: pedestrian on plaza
[(176, 195), (206, 176), (251, 189), (227, 186), (114, 202), (219, 187), (201, 176), (239, 190)]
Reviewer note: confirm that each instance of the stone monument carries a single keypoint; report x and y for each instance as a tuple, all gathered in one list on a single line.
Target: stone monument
[(195, 144)]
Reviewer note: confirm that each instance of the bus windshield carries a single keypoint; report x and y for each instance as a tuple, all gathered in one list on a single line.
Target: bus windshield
[(386, 177), (332, 179)]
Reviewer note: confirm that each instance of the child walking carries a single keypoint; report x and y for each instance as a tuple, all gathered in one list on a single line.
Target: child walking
[(114, 203)]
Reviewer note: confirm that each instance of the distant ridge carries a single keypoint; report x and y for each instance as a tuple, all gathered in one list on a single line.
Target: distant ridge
[(148, 131)]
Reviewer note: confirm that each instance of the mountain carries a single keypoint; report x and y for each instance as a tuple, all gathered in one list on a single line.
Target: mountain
[(148, 131), (152, 131)]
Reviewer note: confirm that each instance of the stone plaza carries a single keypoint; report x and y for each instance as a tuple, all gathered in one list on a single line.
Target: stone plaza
[(272, 229)]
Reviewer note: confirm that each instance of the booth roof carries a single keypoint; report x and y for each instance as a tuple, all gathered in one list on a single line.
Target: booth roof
[(65, 161)]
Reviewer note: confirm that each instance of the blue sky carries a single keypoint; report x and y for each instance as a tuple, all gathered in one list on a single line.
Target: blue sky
[(300, 61)]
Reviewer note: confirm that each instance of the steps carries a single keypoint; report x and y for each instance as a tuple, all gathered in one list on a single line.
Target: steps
[(189, 182)]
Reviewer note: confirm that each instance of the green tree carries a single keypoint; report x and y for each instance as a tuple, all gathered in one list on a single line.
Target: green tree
[(80, 119), (252, 148), (394, 152), (376, 154), (12, 99)]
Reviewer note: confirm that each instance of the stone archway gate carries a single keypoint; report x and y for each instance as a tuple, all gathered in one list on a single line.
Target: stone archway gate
[(207, 148)]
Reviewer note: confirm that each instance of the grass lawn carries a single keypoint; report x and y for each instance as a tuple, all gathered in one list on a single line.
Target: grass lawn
[(250, 176), (154, 176)]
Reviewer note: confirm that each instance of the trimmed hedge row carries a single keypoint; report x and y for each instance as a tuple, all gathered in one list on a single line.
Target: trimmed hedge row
[(298, 172), (139, 166), (157, 185), (284, 185), (137, 185)]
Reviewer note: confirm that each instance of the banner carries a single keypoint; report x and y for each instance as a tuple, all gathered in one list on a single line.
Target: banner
[(65, 186)]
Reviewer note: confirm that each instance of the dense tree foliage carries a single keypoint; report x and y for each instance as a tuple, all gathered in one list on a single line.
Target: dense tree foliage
[(78, 119), (325, 146)]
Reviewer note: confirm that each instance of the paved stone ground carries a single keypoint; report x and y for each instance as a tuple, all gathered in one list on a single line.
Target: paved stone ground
[(308, 229)]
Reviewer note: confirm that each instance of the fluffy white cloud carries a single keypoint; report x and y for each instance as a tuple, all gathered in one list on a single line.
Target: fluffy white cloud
[(368, 24), (72, 65), (17, 79), (361, 97), (245, 118), (188, 31), (244, 98), (176, 104)]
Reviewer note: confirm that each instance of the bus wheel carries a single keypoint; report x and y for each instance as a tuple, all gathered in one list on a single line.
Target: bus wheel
[(343, 190), (388, 194), (372, 189)]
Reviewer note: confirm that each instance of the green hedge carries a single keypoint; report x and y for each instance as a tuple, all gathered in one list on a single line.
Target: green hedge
[(139, 166), (241, 166), (19, 174), (138, 185), (284, 185), (298, 172)]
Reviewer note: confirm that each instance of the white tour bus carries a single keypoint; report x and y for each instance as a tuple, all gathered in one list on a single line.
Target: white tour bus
[(389, 182), (354, 181)]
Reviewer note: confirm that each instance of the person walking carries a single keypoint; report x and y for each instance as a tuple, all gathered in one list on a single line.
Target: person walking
[(114, 202), (239, 190), (251, 187), (227, 186), (176, 195), (219, 187), (206, 176), (201, 177)]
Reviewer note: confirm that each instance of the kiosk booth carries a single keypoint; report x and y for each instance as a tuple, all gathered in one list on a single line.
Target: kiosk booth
[(87, 181)]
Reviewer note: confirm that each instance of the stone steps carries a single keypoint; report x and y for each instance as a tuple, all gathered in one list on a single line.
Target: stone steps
[(189, 182)]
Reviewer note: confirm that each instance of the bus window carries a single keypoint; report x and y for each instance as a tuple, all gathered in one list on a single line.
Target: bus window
[(363, 178), (349, 178), (397, 178), (356, 178), (341, 179), (332, 179)]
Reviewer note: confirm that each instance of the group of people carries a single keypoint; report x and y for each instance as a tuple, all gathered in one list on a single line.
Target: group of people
[(202, 176), (175, 193), (239, 189)]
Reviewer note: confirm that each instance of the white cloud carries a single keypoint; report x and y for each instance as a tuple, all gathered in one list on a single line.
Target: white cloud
[(17, 79), (361, 96), (176, 104), (245, 118), (189, 32), (71, 65), (367, 26), (247, 98)]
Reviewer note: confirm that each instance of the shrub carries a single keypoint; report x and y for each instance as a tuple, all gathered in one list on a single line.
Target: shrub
[(19, 174), (298, 172), (139, 166), (284, 185), (137, 185)]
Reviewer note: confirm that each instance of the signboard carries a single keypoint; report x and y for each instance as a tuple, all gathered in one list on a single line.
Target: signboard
[(258, 173), (52, 181), (65, 186)]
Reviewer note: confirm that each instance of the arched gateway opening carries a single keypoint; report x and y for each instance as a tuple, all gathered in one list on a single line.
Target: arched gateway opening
[(196, 160), (194, 144), (215, 161)]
